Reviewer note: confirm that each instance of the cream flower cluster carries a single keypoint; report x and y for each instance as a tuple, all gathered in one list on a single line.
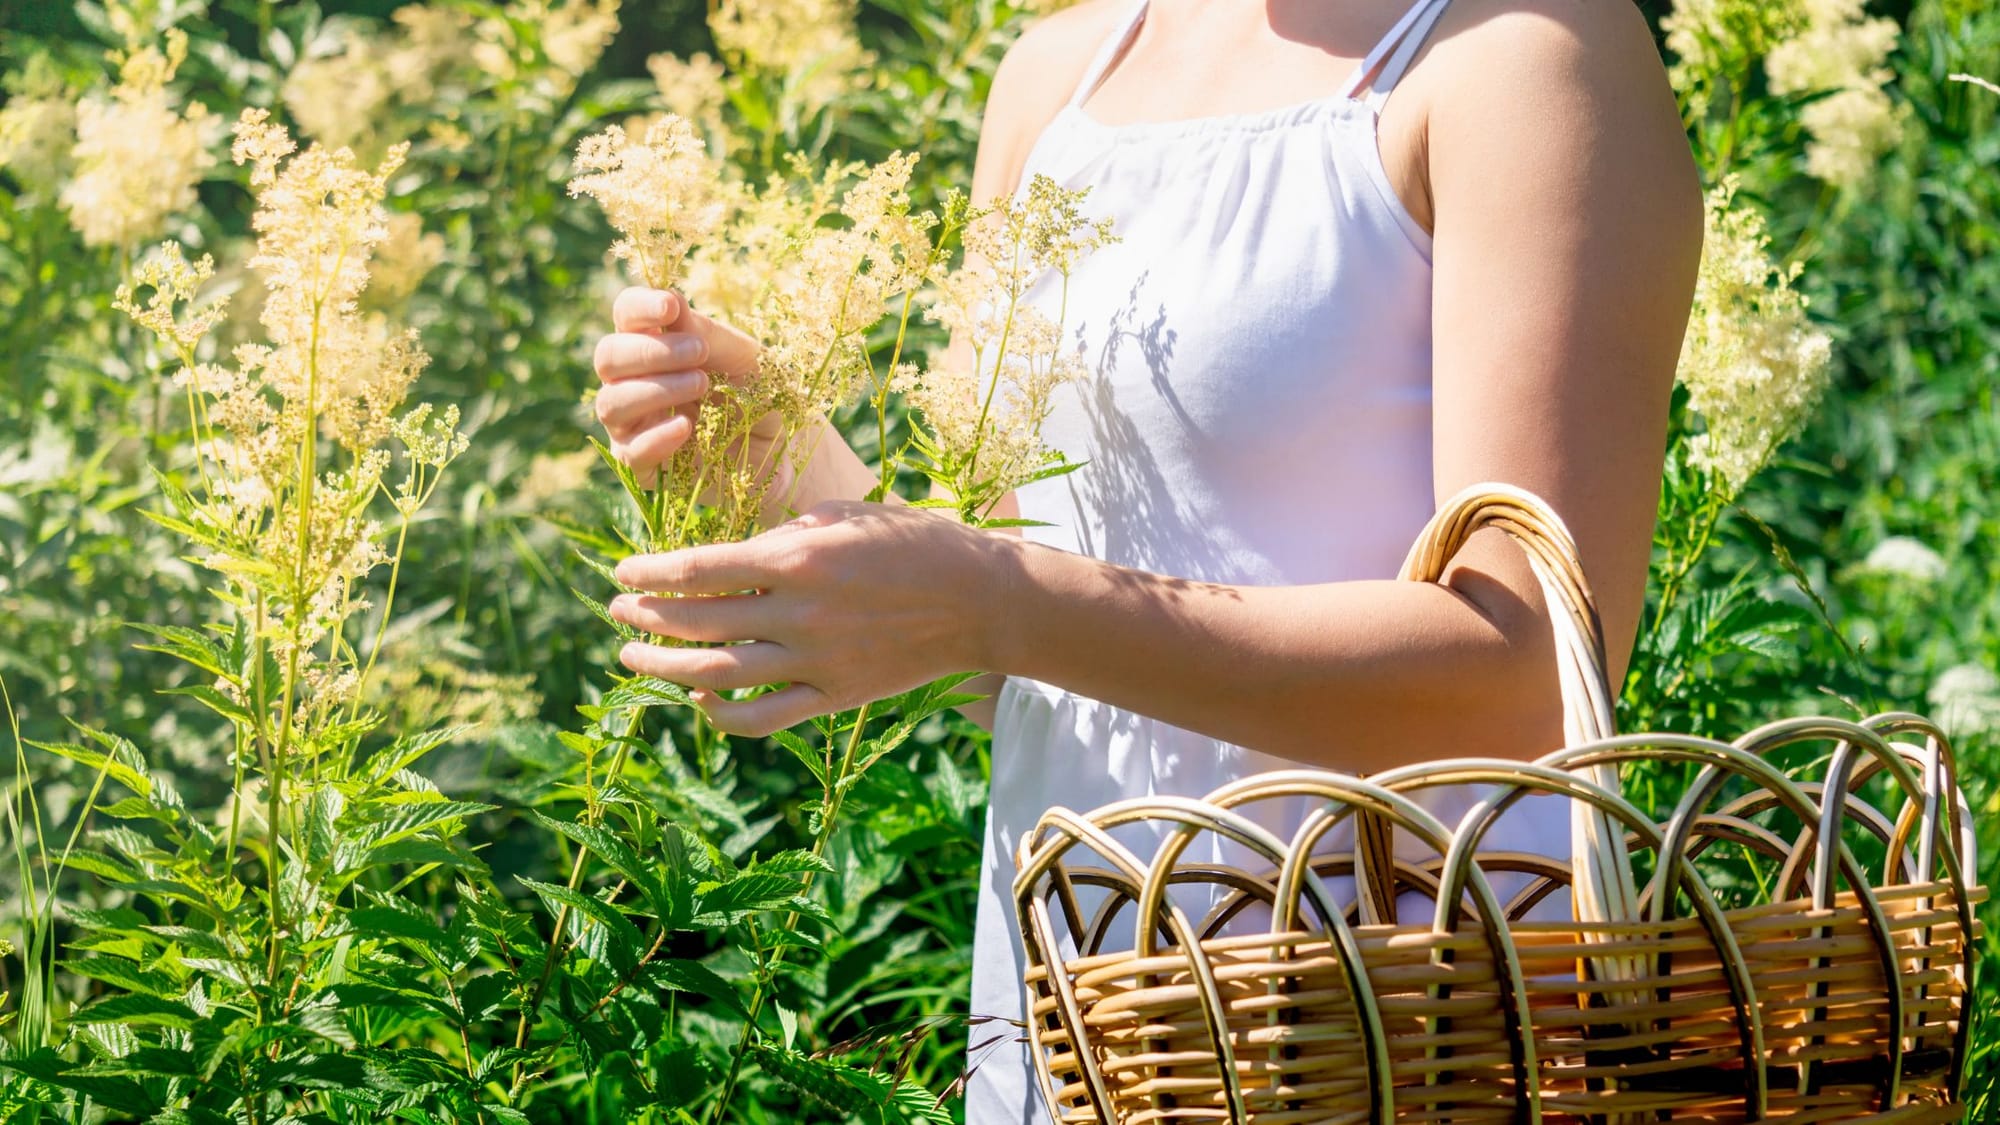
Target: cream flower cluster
[(38, 128), (661, 193), (811, 43), (292, 537), (694, 88), (1829, 48), (338, 93), (1841, 50), (985, 419), (137, 157), (808, 264), (1752, 363), (1707, 36)]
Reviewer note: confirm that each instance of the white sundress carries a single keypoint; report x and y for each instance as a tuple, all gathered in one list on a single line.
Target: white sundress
[(1259, 413)]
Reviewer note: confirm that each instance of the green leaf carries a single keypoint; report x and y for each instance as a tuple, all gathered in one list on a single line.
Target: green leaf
[(120, 973), (407, 751), (385, 821), (613, 940), (121, 763), (131, 1008), (697, 978), (747, 894), (789, 863), (401, 925), (215, 701), (189, 645), (813, 760), (672, 904), (846, 1090)]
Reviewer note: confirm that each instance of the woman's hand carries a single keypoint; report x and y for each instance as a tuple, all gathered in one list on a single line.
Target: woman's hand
[(849, 603), (656, 368)]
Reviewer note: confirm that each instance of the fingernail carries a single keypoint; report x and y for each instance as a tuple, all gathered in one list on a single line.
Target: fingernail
[(666, 306), (685, 350)]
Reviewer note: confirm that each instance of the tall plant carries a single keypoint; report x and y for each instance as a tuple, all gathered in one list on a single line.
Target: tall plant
[(811, 265)]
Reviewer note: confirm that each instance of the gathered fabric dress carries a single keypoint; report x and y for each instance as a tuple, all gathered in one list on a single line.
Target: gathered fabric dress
[(1258, 413)]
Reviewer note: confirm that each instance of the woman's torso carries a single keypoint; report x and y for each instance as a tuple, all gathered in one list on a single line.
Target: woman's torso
[(1258, 413)]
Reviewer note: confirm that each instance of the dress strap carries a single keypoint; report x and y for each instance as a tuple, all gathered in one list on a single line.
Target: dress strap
[(1385, 65), (1107, 54)]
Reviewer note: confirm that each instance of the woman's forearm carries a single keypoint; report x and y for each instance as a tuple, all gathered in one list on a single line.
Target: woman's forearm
[(1352, 675)]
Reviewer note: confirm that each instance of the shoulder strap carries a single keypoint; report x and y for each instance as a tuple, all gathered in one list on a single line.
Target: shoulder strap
[(1127, 27), (1385, 65)]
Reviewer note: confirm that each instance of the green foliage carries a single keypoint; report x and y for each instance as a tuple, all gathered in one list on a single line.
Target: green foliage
[(513, 886)]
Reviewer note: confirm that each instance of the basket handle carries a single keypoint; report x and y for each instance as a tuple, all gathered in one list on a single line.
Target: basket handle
[(1602, 880)]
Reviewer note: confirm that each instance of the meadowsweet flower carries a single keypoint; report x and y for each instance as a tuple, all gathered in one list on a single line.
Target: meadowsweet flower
[(575, 32), (570, 34), (137, 157), (174, 282), (811, 43), (37, 128), (292, 539), (693, 87), (1967, 699), (405, 256), (1850, 131), (659, 193), (1752, 363), (982, 422), (830, 285), (552, 475), (1710, 38), (1900, 556), (1839, 49), (336, 97)]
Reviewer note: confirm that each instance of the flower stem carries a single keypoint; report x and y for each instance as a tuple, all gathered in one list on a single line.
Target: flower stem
[(836, 791)]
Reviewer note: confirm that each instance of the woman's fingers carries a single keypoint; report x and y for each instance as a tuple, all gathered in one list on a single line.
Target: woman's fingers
[(637, 309), (756, 718), (720, 568), (711, 669), (665, 314), (627, 406), (647, 449), (710, 620), (638, 355)]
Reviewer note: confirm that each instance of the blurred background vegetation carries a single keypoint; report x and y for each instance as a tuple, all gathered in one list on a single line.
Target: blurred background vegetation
[(1859, 571)]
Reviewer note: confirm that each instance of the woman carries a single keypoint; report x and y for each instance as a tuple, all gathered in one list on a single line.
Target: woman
[(1370, 252)]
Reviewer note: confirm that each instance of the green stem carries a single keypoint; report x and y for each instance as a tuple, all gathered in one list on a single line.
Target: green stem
[(836, 791), (575, 881)]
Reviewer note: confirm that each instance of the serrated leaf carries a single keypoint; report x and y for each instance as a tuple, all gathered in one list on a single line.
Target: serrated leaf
[(383, 823), (401, 925), (746, 894), (603, 932), (695, 977), (129, 773), (407, 751), (134, 1008), (120, 973), (673, 909)]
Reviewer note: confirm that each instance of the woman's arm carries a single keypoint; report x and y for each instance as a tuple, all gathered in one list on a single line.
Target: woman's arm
[(1568, 225)]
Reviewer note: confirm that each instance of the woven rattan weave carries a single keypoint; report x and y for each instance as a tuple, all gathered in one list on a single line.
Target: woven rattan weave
[(1787, 943)]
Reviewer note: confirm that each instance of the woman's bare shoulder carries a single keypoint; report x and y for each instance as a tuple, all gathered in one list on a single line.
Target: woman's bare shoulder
[(1558, 86), (1035, 79), (1520, 48)]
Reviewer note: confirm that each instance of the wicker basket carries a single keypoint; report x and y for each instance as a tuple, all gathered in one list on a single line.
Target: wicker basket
[(1787, 944)]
